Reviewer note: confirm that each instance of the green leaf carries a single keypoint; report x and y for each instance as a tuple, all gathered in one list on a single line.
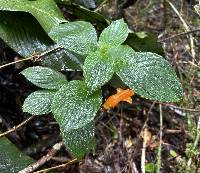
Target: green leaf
[(39, 102), (121, 53), (74, 108), (98, 69), (79, 141), (23, 33), (145, 42), (45, 11), (151, 76), (116, 82), (74, 105), (44, 77), (88, 15), (12, 160), (115, 34), (150, 167), (79, 37)]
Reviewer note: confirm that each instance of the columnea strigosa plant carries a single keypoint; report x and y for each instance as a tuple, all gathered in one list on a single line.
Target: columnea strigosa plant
[(74, 104)]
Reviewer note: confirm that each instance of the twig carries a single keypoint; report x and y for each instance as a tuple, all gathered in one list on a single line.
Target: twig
[(17, 127), (158, 164), (144, 151), (198, 134), (149, 111), (60, 159), (32, 57), (180, 34), (195, 142), (176, 107), (134, 168), (100, 6), (189, 62), (172, 131), (187, 29), (56, 167), (43, 159), (144, 128)]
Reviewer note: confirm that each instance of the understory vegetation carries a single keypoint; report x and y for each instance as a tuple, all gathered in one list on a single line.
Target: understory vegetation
[(96, 86)]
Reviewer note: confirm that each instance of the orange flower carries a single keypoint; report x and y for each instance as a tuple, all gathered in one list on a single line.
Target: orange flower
[(121, 95)]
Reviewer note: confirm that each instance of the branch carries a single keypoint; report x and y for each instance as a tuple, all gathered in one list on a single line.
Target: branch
[(158, 164), (187, 29), (180, 108), (195, 142), (180, 34), (17, 127), (56, 167), (144, 146), (43, 159), (34, 57)]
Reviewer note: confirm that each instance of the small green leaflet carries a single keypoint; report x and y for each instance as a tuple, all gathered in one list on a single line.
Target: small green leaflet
[(44, 77), (79, 37), (74, 108), (45, 11), (39, 102), (98, 69), (150, 167), (115, 34)]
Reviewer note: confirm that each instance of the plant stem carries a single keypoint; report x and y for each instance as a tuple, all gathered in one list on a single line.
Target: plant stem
[(43, 159), (17, 127), (158, 164), (195, 142), (56, 167), (32, 57)]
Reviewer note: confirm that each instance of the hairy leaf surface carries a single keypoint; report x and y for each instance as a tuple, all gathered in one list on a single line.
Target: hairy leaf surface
[(39, 102), (44, 77), (115, 34), (12, 160), (151, 76), (121, 53), (74, 106), (79, 37), (79, 141), (98, 69)]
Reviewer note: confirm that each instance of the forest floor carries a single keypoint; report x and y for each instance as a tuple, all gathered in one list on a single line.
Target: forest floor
[(130, 134)]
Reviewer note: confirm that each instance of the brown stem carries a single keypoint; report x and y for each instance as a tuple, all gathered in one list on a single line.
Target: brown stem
[(56, 167), (32, 57), (43, 159), (17, 127)]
